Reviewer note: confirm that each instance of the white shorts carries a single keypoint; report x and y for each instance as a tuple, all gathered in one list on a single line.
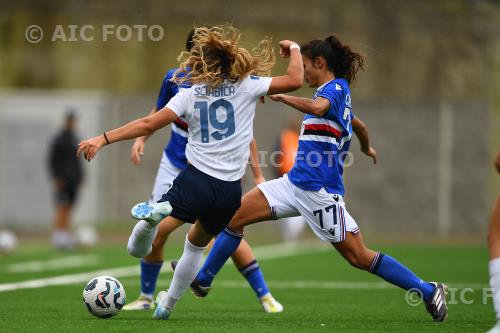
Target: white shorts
[(167, 172), (324, 212)]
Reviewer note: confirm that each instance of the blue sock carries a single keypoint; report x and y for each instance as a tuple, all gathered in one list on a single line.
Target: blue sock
[(226, 243), (149, 276), (392, 271), (254, 276)]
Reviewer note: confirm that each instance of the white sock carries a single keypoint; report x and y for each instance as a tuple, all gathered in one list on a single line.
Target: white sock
[(265, 296), (495, 284), (141, 240), (185, 272), (148, 296)]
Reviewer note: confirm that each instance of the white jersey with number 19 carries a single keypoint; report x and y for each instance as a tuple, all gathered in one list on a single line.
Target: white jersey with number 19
[(220, 124)]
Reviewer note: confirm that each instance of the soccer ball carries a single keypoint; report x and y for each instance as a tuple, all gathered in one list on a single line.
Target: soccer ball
[(8, 241), (104, 296)]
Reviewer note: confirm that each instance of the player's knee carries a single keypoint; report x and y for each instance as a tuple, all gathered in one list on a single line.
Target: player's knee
[(236, 224), (159, 242), (355, 262), (235, 228), (358, 260)]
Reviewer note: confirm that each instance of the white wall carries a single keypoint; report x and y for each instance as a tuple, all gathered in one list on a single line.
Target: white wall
[(28, 121)]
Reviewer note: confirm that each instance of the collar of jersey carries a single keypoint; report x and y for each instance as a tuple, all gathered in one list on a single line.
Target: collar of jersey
[(324, 84)]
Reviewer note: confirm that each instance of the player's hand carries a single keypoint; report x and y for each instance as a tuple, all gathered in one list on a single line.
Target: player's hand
[(137, 151), (259, 180), (371, 153), (497, 163), (285, 48), (90, 147)]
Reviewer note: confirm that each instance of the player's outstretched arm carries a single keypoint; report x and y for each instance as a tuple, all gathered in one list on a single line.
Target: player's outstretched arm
[(140, 127), (316, 107), (294, 76), (137, 149), (361, 131)]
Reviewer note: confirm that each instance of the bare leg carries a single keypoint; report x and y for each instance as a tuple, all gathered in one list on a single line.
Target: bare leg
[(254, 208), (61, 236), (354, 250), (243, 255), (165, 228), (63, 213), (198, 236)]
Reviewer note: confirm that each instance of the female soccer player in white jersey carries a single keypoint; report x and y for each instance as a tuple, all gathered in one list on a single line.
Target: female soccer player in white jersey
[(314, 187), (219, 108), (173, 161)]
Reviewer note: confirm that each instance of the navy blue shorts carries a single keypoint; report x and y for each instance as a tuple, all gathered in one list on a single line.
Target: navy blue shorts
[(194, 195)]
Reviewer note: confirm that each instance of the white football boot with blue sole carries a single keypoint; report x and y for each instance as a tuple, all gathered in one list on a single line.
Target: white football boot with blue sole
[(152, 213), (161, 312)]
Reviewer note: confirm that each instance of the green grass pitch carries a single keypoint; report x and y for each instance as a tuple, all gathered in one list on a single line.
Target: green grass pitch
[(320, 293)]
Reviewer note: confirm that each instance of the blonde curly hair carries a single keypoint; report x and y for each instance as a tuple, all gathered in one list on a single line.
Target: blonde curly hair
[(216, 57)]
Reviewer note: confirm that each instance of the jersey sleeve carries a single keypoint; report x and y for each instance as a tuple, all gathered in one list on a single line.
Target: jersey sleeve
[(333, 96), (164, 95), (179, 103), (259, 85)]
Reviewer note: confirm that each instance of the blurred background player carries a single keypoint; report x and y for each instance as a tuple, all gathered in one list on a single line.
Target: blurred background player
[(66, 172), (494, 247), (288, 143), (173, 161)]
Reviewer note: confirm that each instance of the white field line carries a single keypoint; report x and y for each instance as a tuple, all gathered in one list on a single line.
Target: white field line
[(333, 284), (262, 253), (52, 264)]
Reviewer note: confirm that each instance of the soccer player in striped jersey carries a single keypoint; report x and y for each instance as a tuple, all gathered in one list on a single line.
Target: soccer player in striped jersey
[(226, 82), (314, 187), (173, 161)]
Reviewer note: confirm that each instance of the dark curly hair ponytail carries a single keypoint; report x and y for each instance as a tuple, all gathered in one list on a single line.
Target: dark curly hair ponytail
[(340, 59)]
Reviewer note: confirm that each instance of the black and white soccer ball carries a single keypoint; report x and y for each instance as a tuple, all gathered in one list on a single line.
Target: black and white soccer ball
[(104, 296)]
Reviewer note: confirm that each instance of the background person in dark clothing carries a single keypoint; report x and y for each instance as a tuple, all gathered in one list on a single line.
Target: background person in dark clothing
[(67, 175)]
